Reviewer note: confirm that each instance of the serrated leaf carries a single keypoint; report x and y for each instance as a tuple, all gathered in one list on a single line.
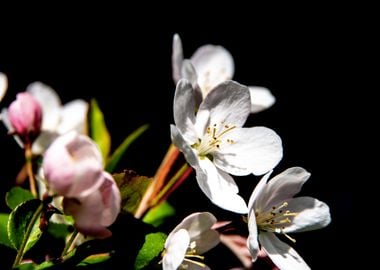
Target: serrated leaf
[(16, 196), (59, 230), (99, 131), (118, 153), (152, 247), (4, 240), (132, 188), (157, 215), (18, 224)]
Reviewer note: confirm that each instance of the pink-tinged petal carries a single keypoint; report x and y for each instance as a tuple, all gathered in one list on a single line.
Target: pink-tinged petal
[(111, 200), (25, 116), (238, 245), (177, 58), (312, 214), (50, 103), (260, 187), (3, 85), (214, 64), (282, 187), (229, 103), (261, 98), (252, 241), (199, 226), (97, 210), (72, 166), (184, 110), (74, 117), (219, 187), (254, 150), (175, 249), (180, 142), (5, 119), (282, 255)]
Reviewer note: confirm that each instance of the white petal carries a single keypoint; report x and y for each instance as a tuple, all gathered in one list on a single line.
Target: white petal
[(312, 214), (252, 241), (214, 64), (177, 58), (282, 255), (74, 117), (261, 98), (43, 141), (176, 246), (50, 103), (255, 150), (282, 187), (260, 187), (189, 73), (180, 142), (184, 110), (227, 104), (219, 187), (3, 85), (199, 226)]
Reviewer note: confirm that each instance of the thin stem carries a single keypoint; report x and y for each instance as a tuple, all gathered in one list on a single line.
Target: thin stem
[(158, 180), (173, 183), (29, 168), (70, 242), (20, 252)]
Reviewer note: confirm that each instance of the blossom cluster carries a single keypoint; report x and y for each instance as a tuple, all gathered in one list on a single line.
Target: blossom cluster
[(73, 183)]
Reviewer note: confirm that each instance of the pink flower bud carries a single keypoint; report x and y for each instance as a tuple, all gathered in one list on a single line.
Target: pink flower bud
[(25, 116), (73, 166), (96, 211)]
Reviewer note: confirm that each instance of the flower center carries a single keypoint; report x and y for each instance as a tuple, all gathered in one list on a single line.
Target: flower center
[(213, 139), (275, 219), (191, 256)]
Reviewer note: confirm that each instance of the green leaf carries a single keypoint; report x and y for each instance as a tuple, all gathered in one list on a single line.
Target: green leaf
[(116, 156), (20, 226), (26, 266), (99, 132), (4, 231), (95, 259), (16, 196), (157, 215), (152, 247), (132, 188), (59, 230)]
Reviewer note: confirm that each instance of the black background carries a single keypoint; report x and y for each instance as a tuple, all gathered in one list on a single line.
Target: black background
[(306, 58)]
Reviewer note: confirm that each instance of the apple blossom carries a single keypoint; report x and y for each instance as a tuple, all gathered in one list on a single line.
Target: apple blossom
[(191, 238), (274, 210), (209, 66), (215, 144)]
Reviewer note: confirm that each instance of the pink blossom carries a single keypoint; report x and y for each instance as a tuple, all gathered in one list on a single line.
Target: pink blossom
[(25, 116)]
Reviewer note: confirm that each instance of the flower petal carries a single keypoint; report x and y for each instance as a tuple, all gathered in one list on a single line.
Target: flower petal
[(199, 226), (312, 214), (260, 187), (214, 64), (261, 98), (50, 103), (176, 246), (177, 58), (111, 200), (5, 119), (252, 242), (220, 187), (43, 142), (180, 142), (228, 103), (184, 110), (282, 187), (3, 85), (282, 255), (74, 117), (254, 150)]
